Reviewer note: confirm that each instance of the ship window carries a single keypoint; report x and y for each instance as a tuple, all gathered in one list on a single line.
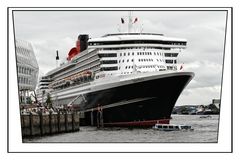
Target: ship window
[(108, 62), (175, 61), (128, 60), (169, 61), (128, 54), (108, 68), (133, 53), (123, 60), (171, 54), (124, 54), (119, 61), (132, 60), (120, 54), (108, 55), (126, 67)]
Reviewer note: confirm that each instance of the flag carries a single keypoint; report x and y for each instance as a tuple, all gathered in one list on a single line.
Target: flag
[(135, 20), (122, 20), (181, 67)]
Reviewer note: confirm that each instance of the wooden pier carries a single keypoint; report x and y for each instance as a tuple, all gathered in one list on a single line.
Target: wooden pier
[(47, 124)]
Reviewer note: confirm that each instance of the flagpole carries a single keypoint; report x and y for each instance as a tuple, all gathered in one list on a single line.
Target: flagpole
[(129, 21)]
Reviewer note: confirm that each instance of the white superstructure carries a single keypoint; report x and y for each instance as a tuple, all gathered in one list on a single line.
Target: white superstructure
[(137, 52)]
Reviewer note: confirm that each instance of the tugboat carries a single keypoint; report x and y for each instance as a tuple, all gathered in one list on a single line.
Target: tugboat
[(172, 127)]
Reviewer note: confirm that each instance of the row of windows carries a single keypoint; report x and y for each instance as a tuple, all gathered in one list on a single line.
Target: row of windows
[(150, 66), (138, 42), (129, 48), (145, 60), (127, 67), (132, 72), (23, 51), (107, 55), (24, 70), (141, 53), (171, 54), (141, 60), (170, 61), (172, 67), (108, 62), (126, 72), (108, 68), (128, 60), (24, 80)]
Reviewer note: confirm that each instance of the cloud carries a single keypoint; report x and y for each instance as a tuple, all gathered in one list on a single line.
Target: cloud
[(199, 95)]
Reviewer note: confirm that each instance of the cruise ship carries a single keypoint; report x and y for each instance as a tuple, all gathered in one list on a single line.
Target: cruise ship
[(132, 78)]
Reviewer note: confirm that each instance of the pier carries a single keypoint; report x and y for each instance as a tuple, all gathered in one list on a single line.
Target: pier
[(39, 124)]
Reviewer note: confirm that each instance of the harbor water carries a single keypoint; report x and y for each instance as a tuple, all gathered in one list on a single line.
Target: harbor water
[(205, 130)]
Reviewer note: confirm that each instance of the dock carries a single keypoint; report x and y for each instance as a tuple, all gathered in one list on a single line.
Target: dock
[(39, 124)]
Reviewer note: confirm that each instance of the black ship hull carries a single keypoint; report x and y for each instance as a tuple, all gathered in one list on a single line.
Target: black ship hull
[(139, 104)]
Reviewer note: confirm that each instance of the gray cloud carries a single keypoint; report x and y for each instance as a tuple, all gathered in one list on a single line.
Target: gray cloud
[(49, 31)]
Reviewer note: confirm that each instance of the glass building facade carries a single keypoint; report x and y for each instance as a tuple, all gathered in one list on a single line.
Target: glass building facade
[(27, 68)]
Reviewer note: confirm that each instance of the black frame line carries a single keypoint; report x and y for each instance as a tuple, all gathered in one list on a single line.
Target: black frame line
[(224, 52), (133, 9)]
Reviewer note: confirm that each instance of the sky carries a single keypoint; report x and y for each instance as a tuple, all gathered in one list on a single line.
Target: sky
[(49, 31)]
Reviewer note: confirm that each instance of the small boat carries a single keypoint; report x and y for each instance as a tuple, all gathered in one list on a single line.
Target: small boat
[(208, 116), (172, 127)]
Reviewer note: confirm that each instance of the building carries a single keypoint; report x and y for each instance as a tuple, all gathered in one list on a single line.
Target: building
[(27, 69), (216, 102)]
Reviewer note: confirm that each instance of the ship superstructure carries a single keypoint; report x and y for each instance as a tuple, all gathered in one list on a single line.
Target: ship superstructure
[(133, 78)]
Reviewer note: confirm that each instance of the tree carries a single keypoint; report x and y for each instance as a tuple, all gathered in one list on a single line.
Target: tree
[(49, 100), (35, 97), (29, 100)]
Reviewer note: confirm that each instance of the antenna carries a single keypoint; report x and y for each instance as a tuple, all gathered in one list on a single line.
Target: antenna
[(141, 28), (119, 29), (129, 21)]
